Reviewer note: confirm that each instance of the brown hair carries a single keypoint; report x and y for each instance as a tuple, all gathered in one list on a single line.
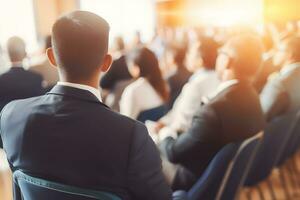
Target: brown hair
[(147, 62)]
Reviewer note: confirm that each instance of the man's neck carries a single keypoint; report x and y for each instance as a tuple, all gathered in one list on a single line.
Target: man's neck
[(94, 84), (17, 64)]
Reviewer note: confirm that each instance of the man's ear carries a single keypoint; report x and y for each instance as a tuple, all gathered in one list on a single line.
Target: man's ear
[(107, 61), (50, 56)]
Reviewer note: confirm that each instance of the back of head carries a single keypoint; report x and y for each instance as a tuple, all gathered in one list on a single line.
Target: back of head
[(179, 56), (246, 52), (292, 45), (80, 43), (119, 43), (16, 49), (208, 51)]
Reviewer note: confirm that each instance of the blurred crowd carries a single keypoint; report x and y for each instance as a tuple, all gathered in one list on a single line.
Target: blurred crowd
[(162, 82)]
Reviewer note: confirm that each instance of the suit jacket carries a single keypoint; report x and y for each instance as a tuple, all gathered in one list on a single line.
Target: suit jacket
[(18, 83), (233, 115), (281, 93), (69, 136), (117, 72), (176, 82)]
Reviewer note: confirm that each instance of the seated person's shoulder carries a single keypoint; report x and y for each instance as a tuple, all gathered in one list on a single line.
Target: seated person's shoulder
[(17, 106)]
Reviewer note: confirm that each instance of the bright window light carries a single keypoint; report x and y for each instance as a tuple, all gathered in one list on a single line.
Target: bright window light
[(17, 19), (125, 16)]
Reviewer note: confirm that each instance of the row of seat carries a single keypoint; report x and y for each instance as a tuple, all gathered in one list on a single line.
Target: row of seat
[(237, 165), (248, 163)]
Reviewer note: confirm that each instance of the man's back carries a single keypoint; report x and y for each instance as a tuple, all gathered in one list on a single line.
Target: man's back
[(18, 83), (68, 136)]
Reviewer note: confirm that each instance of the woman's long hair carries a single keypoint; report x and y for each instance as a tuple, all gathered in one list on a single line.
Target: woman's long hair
[(147, 62)]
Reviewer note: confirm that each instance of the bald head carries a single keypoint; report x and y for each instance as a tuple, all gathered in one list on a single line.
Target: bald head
[(243, 55), (80, 44), (16, 49)]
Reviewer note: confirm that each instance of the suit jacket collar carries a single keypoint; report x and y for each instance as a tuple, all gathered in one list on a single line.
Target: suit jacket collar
[(223, 88), (75, 93)]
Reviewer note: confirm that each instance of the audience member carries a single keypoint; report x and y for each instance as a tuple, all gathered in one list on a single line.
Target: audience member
[(232, 114), (281, 93), (202, 83), (45, 69), (17, 83), (179, 76), (149, 90), (69, 136), (117, 78), (118, 70)]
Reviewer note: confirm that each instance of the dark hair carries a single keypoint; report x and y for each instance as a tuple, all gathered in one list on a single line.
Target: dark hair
[(208, 51), (80, 42), (179, 56), (147, 62)]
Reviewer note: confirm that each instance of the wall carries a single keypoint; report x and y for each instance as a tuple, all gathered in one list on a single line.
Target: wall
[(47, 11)]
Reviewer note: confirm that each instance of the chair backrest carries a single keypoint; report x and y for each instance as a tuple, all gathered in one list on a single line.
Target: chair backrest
[(276, 136), (31, 188), (210, 181), (293, 141), (238, 168), (295, 144), (153, 114)]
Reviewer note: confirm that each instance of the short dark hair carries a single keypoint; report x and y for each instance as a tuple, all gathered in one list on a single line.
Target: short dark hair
[(80, 42), (208, 51), (179, 55)]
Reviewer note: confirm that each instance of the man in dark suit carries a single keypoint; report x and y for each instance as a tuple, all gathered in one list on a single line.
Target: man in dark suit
[(232, 114), (69, 136), (18, 83)]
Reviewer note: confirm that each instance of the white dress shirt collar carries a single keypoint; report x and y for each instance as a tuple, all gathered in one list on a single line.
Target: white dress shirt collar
[(17, 64), (92, 90), (223, 86)]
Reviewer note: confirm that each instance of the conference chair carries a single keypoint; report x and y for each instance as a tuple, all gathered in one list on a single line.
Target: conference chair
[(239, 167), (32, 188), (153, 114), (208, 185), (293, 140), (276, 137), (286, 162)]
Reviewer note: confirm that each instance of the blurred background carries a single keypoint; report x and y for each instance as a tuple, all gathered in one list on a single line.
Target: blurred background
[(147, 20), (161, 25)]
